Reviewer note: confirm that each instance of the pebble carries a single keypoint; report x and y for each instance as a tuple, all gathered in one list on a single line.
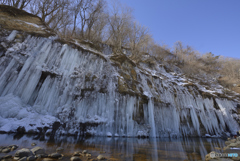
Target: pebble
[(33, 144)]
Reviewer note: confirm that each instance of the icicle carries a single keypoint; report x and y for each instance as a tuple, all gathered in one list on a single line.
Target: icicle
[(151, 117)]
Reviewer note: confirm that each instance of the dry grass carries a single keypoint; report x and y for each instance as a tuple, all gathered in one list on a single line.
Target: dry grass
[(14, 19)]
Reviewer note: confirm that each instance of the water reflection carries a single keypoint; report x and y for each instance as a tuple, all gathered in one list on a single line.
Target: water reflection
[(122, 148)]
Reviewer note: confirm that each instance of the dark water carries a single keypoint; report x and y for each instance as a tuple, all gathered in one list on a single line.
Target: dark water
[(122, 148)]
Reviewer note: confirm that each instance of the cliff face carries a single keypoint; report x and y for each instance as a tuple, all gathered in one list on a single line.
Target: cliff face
[(97, 92)]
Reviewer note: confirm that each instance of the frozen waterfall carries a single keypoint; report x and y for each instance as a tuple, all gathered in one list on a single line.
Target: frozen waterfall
[(80, 89)]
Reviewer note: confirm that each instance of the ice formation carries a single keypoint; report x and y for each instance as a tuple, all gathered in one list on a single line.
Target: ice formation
[(43, 81)]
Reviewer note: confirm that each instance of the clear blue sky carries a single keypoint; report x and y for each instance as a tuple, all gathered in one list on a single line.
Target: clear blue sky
[(206, 25)]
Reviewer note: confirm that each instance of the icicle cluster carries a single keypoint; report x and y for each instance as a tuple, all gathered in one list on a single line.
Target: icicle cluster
[(81, 90)]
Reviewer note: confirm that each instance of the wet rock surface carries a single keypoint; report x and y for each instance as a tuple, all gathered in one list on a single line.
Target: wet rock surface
[(22, 153), (7, 149), (77, 154), (38, 150), (37, 153), (55, 155)]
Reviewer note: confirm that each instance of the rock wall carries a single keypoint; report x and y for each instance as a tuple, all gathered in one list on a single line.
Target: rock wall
[(96, 92)]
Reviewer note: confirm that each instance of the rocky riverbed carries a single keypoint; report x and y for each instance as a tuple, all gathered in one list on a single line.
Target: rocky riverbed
[(231, 152), (39, 153), (111, 148)]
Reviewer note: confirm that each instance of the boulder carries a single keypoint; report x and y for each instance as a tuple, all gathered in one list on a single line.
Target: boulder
[(31, 158), (55, 155), (1, 148), (227, 142), (233, 140), (59, 149), (48, 159), (232, 145), (75, 159), (237, 142), (88, 155), (100, 157), (6, 150), (209, 156), (13, 147), (23, 159), (84, 151), (236, 158), (38, 150), (22, 153), (41, 155), (76, 154), (229, 150)]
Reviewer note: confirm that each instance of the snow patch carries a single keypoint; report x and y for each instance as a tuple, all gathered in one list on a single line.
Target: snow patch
[(13, 113), (109, 134)]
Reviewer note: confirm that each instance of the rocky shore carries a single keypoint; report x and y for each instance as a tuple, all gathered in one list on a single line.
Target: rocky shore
[(39, 153), (231, 152)]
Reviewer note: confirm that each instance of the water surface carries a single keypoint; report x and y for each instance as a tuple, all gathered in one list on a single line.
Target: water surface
[(132, 149)]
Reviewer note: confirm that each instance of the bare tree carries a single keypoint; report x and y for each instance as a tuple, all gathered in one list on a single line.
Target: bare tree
[(85, 6), (85, 14), (47, 9), (98, 30), (119, 25), (138, 38), (61, 19), (95, 14), (75, 11)]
